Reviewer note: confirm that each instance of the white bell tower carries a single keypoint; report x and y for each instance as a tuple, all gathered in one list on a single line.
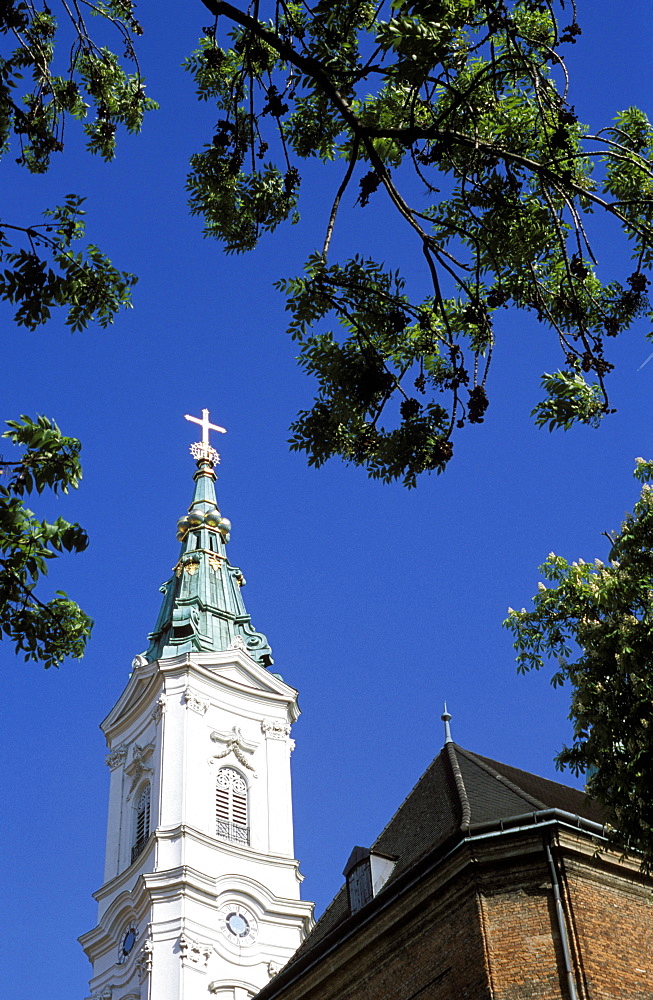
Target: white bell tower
[(201, 890)]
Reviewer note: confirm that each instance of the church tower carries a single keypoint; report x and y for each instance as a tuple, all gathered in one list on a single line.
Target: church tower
[(201, 890)]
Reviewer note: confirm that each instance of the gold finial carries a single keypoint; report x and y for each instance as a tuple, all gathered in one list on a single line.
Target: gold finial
[(203, 449)]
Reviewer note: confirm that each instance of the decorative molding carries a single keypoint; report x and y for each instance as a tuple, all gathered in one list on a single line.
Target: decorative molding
[(274, 968), (215, 564), (194, 952), (275, 730), (104, 994), (159, 710), (238, 643), (194, 700), (117, 757), (139, 661), (144, 960), (235, 734), (235, 744)]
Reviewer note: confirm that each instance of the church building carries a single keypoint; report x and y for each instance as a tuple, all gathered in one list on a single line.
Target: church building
[(488, 883)]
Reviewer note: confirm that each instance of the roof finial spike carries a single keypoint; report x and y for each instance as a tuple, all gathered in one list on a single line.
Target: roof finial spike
[(446, 718)]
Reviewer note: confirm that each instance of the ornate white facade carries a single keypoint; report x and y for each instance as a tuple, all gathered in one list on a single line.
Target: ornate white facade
[(201, 891)]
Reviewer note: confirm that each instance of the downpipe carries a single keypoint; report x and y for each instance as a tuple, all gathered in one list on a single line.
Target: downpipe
[(562, 923)]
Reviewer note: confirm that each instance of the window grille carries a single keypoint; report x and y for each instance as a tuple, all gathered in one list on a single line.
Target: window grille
[(142, 830), (231, 806)]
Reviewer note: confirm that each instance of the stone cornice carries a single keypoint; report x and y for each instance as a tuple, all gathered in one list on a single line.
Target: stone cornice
[(227, 847), (146, 682), (132, 872), (606, 864), (199, 837), (159, 886)]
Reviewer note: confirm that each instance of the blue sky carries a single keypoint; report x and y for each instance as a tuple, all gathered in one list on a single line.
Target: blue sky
[(379, 603)]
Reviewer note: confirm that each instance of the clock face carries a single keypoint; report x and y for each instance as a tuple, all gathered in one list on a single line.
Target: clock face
[(238, 924), (128, 942)]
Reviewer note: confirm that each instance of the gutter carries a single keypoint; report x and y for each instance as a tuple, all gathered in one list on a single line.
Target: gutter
[(539, 816)]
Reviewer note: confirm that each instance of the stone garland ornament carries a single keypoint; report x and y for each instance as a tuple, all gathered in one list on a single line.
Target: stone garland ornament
[(235, 744)]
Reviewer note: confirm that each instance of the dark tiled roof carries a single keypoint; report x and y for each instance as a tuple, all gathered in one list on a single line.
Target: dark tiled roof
[(458, 790), (542, 792)]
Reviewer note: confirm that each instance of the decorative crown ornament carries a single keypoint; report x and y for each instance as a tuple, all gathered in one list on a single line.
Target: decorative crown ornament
[(199, 451)]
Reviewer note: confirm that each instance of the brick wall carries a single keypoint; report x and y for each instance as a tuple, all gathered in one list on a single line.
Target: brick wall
[(433, 951), (612, 928), (523, 944), (484, 927)]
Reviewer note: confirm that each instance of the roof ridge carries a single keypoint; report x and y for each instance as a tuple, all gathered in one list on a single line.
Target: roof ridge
[(460, 785), (482, 763)]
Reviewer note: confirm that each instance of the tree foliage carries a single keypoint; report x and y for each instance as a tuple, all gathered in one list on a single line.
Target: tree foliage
[(53, 73), (53, 630), (41, 91), (458, 114), (596, 622)]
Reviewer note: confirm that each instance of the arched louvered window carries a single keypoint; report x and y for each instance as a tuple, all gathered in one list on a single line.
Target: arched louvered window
[(231, 806), (142, 825)]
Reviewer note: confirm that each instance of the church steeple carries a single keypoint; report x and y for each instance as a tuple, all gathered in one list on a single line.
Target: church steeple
[(201, 887), (202, 608)]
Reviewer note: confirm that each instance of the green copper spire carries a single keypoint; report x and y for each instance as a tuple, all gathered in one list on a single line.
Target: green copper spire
[(202, 608)]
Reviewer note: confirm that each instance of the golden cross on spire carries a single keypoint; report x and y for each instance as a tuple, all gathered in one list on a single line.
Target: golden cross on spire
[(204, 450)]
